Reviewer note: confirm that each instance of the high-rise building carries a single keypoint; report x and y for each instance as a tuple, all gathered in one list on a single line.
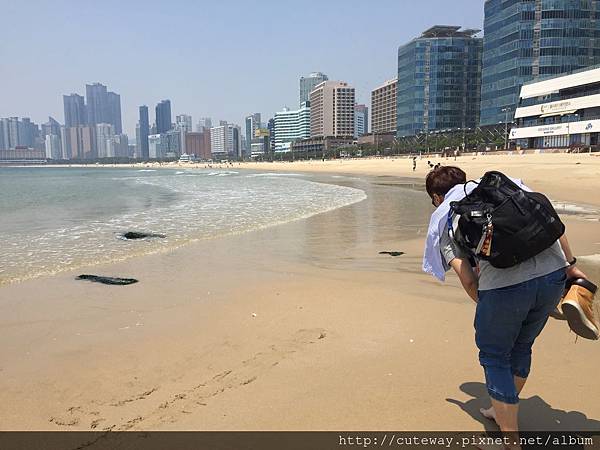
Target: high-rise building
[(50, 127), (19, 133), (12, 125), (155, 146), (75, 112), (361, 120), (28, 133), (204, 123), (439, 77), (80, 142), (96, 103), (53, 146), (332, 109), (3, 136), (114, 111), (172, 141), (383, 107), (105, 133), (65, 144), (119, 146), (308, 83), (142, 141), (225, 141), (183, 121), (103, 106), (291, 125), (163, 116), (252, 124), (198, 144), (527, 39), (183, 124), (271, 128), (218, 140)]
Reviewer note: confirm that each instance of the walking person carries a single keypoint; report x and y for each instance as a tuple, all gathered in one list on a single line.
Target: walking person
[(513, 304)]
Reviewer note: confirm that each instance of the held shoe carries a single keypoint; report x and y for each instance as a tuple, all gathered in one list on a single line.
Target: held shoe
[(578, 308), (557, 312)]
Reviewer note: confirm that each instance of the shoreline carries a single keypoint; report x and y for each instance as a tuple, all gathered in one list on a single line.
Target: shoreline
[(225, 334), (172, 246), (571, 177)]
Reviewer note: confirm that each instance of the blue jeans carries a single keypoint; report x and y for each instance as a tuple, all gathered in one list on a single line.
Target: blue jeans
[(507, 321)]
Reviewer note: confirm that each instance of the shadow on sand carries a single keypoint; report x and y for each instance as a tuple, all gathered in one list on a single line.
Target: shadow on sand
[(534, 414)]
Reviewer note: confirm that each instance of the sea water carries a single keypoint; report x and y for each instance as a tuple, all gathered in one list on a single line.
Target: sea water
[(56, 219)]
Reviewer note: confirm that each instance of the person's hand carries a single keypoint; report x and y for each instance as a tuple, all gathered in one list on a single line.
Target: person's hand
[(574, 272)]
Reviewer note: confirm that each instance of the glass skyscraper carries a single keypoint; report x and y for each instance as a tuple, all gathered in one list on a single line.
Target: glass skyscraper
[(526, 39), (163, 116), (308, 83), (439, 81)]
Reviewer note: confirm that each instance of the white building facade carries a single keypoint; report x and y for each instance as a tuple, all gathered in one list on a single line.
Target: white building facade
[(105, 133), (559, 112), (155, 146), (226, 141), (291, 126), (53, 147)]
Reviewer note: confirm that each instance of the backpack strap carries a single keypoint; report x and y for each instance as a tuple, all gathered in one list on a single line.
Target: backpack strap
[(465, 186)]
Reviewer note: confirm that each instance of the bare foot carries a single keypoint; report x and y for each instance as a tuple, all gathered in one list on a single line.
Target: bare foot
[(488, 413)]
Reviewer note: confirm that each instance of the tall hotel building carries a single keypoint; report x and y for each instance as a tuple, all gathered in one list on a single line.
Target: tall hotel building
[(530, 39), (383, 107), (332, 109), (290, 126), (439, 81)]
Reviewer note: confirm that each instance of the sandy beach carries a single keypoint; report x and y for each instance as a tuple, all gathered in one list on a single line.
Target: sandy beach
[(301, 326)]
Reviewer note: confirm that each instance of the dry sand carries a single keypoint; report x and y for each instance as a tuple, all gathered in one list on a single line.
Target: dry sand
[(302, 326)]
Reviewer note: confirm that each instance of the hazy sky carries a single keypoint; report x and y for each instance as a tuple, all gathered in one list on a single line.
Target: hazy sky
[(222, 59)]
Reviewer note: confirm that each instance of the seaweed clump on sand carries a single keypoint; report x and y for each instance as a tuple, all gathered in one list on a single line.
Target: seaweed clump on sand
[(115, 281), (392, 253), (133, 235)]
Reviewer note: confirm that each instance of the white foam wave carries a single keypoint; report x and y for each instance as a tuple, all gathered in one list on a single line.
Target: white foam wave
[(203, 210)]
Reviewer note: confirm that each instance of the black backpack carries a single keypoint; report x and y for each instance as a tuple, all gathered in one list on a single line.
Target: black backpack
[(501, 223)]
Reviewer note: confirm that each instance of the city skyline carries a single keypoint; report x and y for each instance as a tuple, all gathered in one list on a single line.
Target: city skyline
[(217, 93)]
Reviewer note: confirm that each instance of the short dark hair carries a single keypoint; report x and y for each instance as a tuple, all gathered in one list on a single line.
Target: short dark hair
[(443, 178)]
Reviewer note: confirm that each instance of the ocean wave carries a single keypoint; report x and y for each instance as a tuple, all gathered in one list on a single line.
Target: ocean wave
[(273, 174), (202, 209)]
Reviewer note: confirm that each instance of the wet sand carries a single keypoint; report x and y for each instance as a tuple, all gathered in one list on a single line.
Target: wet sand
[(303, 326)]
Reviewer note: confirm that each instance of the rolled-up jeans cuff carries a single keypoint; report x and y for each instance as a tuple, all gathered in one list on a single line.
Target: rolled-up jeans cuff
[(503, 398), (521, 373)]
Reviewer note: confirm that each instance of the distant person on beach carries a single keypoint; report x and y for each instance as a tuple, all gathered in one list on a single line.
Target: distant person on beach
[(414, 163), (513, 304)]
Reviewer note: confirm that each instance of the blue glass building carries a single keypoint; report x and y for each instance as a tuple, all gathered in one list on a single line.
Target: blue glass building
[(439, 81), (527, 39)]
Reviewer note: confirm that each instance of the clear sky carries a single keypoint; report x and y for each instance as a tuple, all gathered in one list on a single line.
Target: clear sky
[(222, 59)]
